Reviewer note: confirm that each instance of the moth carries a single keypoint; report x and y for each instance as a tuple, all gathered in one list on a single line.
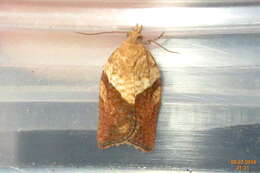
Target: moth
[(130, 96)]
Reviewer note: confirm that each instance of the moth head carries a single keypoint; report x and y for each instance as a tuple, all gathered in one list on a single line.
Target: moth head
[(135, 35)]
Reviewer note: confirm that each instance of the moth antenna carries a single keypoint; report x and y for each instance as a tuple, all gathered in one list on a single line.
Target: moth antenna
[(164, 48), (154, 39), (105, 32), (154, 42)]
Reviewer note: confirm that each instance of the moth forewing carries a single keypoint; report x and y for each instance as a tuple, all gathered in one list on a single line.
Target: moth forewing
[(130, 96)]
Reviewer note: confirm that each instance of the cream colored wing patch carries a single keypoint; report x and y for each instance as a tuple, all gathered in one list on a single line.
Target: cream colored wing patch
[(131, 75)]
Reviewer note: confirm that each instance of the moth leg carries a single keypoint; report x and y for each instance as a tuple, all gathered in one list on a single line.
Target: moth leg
[(159, 37)]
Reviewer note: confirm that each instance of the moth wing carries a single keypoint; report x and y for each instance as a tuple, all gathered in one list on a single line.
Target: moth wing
[(147, 106), (117, 121)]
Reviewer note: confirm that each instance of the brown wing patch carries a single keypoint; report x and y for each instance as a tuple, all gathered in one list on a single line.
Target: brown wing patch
[(147, 105), (117, 120)]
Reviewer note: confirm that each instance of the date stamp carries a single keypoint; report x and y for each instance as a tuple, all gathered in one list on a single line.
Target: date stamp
[(242, 165)]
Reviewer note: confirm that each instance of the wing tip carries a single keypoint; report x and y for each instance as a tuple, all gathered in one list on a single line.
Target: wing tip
[(145, 149)]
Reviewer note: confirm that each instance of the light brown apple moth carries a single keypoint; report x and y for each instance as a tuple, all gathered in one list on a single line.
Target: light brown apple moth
[(130, 96)]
